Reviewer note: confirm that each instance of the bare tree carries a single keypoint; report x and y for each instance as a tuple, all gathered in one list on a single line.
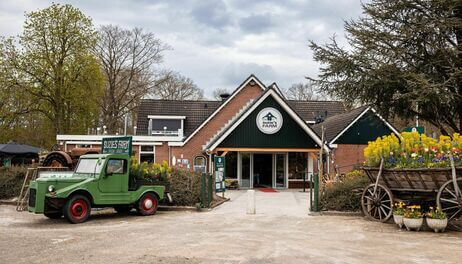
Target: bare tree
[(219, 91), (178, 87), (302, 91), (130, 60)]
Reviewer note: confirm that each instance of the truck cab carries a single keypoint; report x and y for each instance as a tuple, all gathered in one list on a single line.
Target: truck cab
[(99, 180)]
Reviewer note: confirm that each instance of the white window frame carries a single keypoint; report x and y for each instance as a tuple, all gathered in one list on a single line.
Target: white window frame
[(153, 152), (177, 134), (204, 170)]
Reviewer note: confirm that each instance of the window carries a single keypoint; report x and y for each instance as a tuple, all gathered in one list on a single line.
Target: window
[(171, 126), (115, 166), (83, 146), (298, 165), (147, 154), (200, 165), (89, 166)]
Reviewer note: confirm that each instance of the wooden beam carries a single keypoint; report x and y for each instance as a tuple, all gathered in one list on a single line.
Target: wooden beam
[(224, 153), (267, 149)]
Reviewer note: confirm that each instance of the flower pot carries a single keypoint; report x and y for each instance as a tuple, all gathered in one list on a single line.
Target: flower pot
[(413, 223), (398, 220), (438, 225)]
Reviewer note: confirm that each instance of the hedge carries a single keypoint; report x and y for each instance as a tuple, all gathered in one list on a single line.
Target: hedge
[(11, 180), (184, 187), (344, 195)]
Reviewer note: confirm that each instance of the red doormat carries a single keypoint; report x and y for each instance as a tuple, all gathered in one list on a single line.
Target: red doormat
[(267, 190)]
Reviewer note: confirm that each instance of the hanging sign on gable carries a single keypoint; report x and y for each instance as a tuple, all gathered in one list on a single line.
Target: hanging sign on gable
[(269, 120)]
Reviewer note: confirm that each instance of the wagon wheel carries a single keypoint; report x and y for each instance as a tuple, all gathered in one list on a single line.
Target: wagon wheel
[(377, 205), (449, 200)]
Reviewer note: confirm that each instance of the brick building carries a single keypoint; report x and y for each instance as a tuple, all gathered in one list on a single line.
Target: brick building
[(267, 140)]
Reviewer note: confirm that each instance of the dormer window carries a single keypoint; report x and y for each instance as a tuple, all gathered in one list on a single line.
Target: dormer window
[(166, 126)]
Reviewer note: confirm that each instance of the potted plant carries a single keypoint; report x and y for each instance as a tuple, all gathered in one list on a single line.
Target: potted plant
[(398, 213), (436, 220), (413, 218)]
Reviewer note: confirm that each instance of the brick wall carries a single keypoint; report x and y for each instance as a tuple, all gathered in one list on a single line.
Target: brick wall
[(162, 153), (346, 156)]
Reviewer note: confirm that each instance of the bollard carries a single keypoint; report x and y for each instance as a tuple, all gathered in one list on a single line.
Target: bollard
[(251, 202)]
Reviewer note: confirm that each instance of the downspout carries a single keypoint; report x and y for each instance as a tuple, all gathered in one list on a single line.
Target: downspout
[(169, 155), (210, 160)]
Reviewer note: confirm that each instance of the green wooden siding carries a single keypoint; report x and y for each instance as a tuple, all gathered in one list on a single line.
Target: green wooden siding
[(247, 134), (366, 129)]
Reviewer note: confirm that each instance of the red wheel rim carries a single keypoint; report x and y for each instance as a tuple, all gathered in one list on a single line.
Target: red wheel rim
[(149, 203), (79, 209)]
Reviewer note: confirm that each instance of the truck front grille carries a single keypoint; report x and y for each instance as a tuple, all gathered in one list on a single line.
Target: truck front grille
[(32, 194)]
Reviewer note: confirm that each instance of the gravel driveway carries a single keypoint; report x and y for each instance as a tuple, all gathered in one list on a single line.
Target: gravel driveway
[(280, 232)]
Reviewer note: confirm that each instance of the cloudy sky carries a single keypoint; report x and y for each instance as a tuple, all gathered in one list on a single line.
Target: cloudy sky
[(218, 43)]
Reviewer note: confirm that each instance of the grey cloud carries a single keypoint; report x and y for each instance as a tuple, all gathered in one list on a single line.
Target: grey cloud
[(235, 73), (207, 35), (256, 23), (212, 13)]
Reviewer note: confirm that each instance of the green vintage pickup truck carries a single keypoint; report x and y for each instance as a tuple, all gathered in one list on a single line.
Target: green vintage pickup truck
[(99, 180)]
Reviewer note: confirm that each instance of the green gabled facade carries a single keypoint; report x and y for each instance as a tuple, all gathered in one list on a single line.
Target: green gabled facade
[(367, 128), (247, 134)]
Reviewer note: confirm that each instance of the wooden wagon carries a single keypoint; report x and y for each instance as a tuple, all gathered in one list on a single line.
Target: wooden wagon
[(440, 185)]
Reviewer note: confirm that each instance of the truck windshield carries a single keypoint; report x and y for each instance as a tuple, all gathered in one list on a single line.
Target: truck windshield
[(89, 166)]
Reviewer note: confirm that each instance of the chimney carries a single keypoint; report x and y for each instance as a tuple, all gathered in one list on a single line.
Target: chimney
[(224, 96)]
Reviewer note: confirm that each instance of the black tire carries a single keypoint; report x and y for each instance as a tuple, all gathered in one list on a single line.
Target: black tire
[(122, 209), (53, 215), (53, 159), (77, 209), (147, 204)]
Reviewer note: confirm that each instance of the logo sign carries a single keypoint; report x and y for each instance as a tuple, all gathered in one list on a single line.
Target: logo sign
[(269, 120), (419, 129), (220, 185), (117, 145)]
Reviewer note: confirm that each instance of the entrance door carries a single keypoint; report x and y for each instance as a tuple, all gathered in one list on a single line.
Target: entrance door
[(280, 170), (245, 161), (262, 170)]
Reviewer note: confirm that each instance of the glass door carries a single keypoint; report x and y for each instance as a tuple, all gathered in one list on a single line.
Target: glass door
[(245, 169), (280, 170)]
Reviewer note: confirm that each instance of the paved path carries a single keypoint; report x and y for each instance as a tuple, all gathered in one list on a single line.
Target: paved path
[(278, 233), (282, 203)]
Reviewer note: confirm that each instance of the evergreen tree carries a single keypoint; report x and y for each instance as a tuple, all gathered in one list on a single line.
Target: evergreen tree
[(404, 57)]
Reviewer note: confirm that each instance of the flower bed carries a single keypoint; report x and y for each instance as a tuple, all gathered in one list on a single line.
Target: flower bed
[(413, 150)]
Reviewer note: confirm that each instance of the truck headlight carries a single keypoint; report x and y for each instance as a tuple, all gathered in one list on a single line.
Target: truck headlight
[(51, 188)]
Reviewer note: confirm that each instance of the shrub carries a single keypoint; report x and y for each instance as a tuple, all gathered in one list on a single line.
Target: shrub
[(345, 195), (184, 186), (11, 180), (149, 172)]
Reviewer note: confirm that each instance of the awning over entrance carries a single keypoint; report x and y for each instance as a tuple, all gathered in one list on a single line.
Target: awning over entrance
[(268, 125)]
